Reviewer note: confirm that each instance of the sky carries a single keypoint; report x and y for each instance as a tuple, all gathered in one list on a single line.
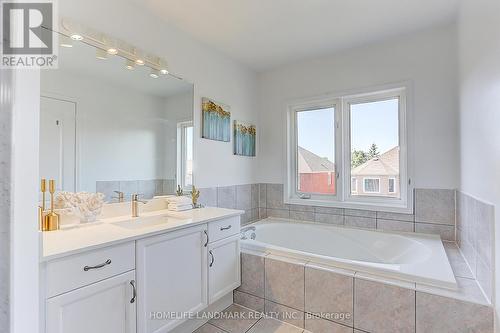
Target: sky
[(375, 122)]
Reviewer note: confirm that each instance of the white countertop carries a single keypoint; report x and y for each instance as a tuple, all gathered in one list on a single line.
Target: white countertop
[(105, 232)]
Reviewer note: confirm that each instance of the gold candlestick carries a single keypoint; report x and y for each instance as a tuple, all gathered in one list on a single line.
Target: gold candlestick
[(43, 189), (52, 219), (41, 209)]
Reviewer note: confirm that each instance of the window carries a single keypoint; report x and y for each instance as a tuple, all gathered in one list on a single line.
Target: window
[(354, 185), (392, 185), (334, 142), (374, 141), (371, 185), (185, 154), (315, 162)]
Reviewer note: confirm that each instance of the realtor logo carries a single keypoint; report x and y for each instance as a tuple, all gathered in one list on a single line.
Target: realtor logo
[(28, 39)]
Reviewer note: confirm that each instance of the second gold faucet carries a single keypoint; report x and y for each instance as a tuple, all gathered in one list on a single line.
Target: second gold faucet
[(135, 204)]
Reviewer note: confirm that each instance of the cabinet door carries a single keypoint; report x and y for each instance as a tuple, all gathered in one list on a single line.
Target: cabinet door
[(171, 278), (107, 306), (224, 267)]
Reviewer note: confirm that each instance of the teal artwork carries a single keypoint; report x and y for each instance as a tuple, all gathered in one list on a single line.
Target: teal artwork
[(216, 121), (244, 139)]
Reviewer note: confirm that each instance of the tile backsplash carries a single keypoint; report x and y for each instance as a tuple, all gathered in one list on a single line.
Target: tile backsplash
[(475, 223), (434, 209)]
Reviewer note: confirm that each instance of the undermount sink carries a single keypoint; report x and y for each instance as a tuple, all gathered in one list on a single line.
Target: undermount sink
[(144, 222)]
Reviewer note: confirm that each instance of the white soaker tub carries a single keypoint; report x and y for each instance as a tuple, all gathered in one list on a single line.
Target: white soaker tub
[(412, 257)]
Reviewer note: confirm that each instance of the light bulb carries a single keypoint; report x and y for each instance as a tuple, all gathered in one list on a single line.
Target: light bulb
[(163, 66), (139, 57), (76, 37), (130, 65), (101, 54), (154, 73), (65, 41)]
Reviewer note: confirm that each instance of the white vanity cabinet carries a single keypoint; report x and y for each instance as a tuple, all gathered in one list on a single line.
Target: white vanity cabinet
[(224, 267), (107, 306), (94, 291), (172, 278), (147, 285)]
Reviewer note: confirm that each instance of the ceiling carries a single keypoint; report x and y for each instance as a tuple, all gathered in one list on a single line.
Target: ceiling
[(267, 33), (81, 60)]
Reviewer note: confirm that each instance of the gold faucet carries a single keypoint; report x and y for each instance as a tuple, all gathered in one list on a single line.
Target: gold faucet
[(135, 205)]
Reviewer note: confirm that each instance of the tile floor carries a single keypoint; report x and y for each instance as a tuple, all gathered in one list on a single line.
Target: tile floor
[(239, 319)]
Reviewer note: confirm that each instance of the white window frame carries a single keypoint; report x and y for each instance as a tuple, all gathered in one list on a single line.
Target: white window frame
[(181, 154), (371, 178), (343, 197), (389, 187), (292, 151), (355, 189)]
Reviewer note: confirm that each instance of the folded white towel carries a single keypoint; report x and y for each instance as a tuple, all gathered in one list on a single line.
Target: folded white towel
[(179, 200), (178, 208)]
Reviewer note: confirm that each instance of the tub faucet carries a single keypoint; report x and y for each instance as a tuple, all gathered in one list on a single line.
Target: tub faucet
[(244, 230), (135, 204)]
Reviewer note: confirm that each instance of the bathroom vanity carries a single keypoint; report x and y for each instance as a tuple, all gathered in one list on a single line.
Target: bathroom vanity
[(146, 274)]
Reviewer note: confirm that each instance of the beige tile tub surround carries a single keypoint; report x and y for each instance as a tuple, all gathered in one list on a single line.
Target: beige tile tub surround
[(381, 307), (475, 222), (441, 314), (329, 291), (377, 305), (436, 206), (252, 274), (284, 281)]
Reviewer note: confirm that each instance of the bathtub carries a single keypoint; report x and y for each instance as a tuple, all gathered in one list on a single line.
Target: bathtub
[(411, 257)]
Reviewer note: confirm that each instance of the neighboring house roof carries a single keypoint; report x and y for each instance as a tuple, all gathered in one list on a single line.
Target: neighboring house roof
[(386, 164), (309, 162)]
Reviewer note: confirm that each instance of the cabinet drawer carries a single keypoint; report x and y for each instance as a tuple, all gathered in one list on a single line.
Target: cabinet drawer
[(223, 228), (79, 270)]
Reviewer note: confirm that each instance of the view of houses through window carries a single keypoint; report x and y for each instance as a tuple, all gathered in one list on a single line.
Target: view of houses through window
[(316, 151), (374, 147)]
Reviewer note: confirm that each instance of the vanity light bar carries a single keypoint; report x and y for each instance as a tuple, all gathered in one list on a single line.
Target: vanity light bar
[(113, 46)]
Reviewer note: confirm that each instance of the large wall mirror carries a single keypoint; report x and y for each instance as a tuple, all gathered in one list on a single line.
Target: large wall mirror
[(108, 125)]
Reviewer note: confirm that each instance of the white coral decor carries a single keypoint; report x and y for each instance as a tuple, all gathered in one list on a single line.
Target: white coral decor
[(87, 206)]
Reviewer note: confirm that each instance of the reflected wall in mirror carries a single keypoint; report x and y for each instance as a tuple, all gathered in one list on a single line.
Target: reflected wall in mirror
[(106, 126)]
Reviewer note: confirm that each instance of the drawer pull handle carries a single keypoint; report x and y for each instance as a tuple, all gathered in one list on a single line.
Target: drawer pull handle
[(134, 291), (213, 259), (88, 268), (225, 228), (206, 234)]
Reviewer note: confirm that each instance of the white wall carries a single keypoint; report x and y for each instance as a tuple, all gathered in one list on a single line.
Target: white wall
[(428, 59), (25, 241), (123, 134), (479, 50), (213, 74)]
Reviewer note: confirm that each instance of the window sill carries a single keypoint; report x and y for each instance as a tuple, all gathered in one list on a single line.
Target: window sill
[(379, 206)]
